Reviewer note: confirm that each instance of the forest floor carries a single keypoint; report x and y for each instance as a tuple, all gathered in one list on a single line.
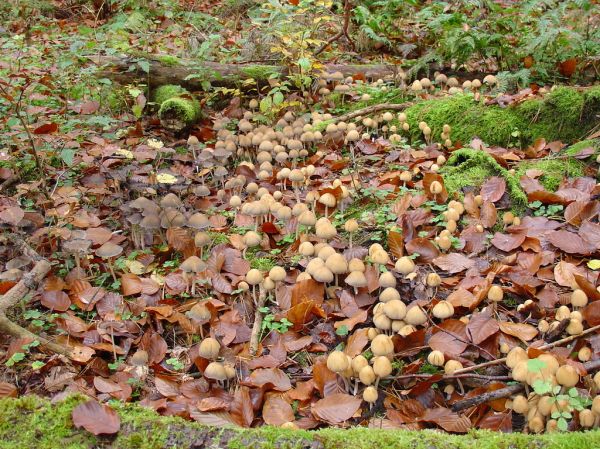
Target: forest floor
[(307, 250)]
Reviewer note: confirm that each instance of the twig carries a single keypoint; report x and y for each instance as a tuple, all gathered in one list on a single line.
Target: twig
[(372, 109), (502, 393), (19, 291), (262, 298), (546, 346), (343, 31), (450, 376)]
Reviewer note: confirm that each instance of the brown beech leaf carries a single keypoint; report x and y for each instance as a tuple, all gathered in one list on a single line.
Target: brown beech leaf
[(569, 242), (453, 262), (7, 390), (589, 288), (12, 215), (308, 290), (564, 274), (508, 242), (462, 298), (270, 376), (277, 411), (131, 284), (447, 419), (336, 408), (497, 421), (524, 332), (591, 313), (396, 243), (428, 179), (357, 342), (481, 326), (447, 343), (493, 189), (425, 248), (96, 418), (488, 214), (241, 407), (55, 300)]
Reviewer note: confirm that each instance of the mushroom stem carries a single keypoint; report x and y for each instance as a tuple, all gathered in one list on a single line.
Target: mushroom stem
[(355, 386), (77, 260), (112, 271), (351, 240)]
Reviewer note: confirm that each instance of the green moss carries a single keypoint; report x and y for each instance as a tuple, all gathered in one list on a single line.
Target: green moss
[(32, 422), (177, 106), (260, 72), (565, 114), (555, 170), (590, 143), (262, 263), (168, 60), (471, 168)]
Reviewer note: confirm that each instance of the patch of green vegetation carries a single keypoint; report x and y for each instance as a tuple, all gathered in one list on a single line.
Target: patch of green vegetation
[(555, 170), (574, 149), (168, 60), (262, 263), (175, 101), (558, 116), (471, 168), (218, 238), (260, 71), (31, 421)]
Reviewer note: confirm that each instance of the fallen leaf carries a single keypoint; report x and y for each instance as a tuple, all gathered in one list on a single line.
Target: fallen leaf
[(336, 408), (96, 418)]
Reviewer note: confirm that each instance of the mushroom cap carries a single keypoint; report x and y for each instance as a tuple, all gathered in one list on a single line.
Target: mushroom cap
[(495, 293), (277, 274), (198, 221), (370, 395), (215, 371), (109, 250), (436, 358), (325, 252), (201, 239), (382, 345), (336, 263), (380, 257), (367, 375), (433, 280), (356, 264), (252, 239), (193, 264), (382, 366), (170, 200), (327, 199), (209, 348), (405, 265), (443, 310), (306, 249), (254, 276), (351, 225), (337, 362), (358, 363), (415, 316), (567, 376), (389, 294), (579, 298), (394, 309), (199, 312), (387, 279), (451, 366), (322, 274), (356, 279)]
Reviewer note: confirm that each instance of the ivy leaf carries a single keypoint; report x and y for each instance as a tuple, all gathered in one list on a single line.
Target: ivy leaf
[(535, 365)]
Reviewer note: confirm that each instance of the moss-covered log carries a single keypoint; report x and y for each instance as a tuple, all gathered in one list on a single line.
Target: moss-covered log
[(566, 113), (195, 75), (31, 422), (178, 109)]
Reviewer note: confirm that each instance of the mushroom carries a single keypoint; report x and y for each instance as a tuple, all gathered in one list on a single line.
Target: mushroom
[(436, 358), (356, 279), (370, 396), (191, 267), (199, 314), (215, 371), (209, 348), (443, 310), (109, 251), (405, 265), (253, 278), (77, 247), (201, 239), (327, 200), (337, 264), (351, 226)]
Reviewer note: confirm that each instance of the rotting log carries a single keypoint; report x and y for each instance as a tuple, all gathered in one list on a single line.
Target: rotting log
[(193, 75)]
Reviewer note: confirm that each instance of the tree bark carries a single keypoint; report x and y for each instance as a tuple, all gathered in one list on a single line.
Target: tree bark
[(192, 74)]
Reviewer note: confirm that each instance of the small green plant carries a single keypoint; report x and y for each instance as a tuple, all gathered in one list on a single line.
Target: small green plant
[(175, 364), (550, 210), (19, 356), (269, 322)]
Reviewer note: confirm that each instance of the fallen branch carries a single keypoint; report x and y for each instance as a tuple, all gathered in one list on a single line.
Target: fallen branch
[(546, 346), (258, 318), (372, 110), (502, 393), (194, 75), (19, 291)]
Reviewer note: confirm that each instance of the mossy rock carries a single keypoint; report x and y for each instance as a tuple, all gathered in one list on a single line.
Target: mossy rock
[(468, 168), (178, 109), (566, 114), (32, 422)]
